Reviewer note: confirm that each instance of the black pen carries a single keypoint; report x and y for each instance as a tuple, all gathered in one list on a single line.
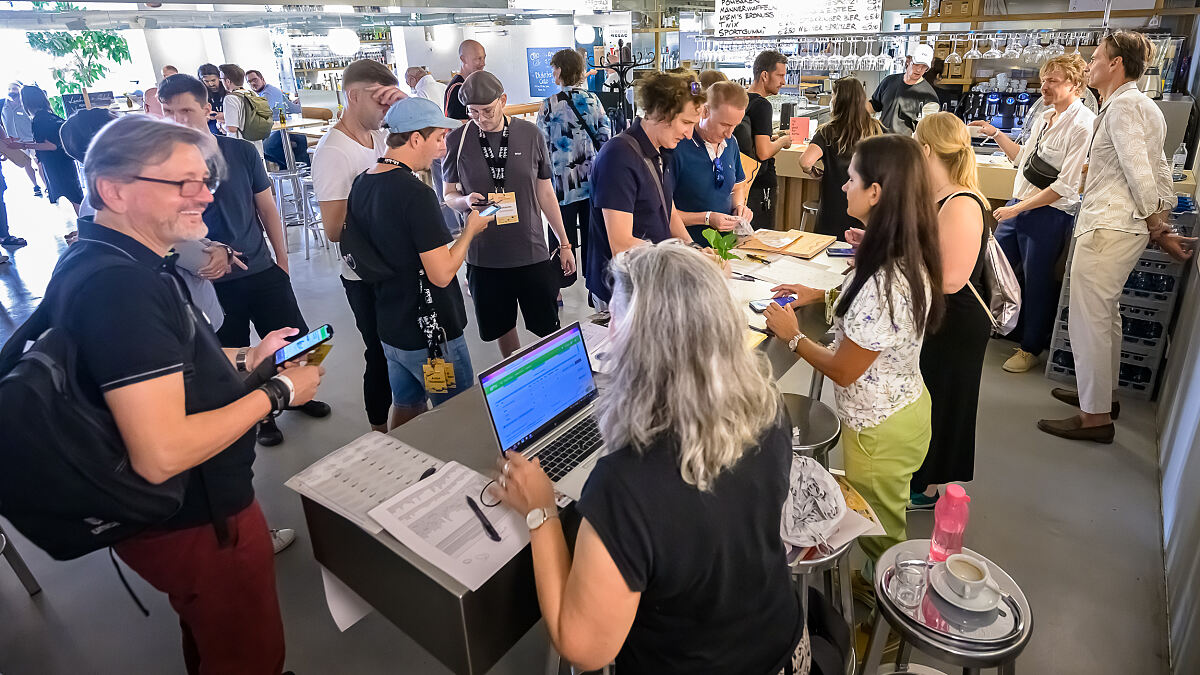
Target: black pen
[(487, 524), (758, 259)]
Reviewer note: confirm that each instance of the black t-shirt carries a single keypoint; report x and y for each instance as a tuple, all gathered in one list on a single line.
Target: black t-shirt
[(455, 109), (899, 104), (716, 597), (401, 218), (232, 217), (217, 100), (129, 323), (831, 215), (761, 117)]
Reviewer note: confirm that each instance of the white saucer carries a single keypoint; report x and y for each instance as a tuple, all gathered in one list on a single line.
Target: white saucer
[(984, 602)]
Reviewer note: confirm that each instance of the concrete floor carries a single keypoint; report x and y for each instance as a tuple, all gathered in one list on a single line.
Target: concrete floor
[(1078, 526)]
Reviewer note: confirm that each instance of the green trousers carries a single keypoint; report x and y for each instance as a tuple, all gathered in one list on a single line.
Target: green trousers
[(880, 461)]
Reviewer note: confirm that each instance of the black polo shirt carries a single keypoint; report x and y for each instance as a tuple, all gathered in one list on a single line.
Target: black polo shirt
[(131, 325), (621, 181), (455, 109)]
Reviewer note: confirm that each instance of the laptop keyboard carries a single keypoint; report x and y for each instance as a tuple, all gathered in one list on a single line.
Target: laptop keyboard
[(571, 449)]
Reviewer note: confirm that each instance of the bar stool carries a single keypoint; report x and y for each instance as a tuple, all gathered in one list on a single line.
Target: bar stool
[(961, 649), (554, 664), (833, 562), (816, 429), (810, 209), (18, 564)]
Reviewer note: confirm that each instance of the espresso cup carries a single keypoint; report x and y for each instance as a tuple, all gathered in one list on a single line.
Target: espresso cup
[(967, 575)]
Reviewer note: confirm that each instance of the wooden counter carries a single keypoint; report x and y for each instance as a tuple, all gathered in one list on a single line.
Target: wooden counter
[(996, 176)]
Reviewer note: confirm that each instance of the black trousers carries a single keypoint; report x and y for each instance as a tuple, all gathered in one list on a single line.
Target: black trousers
[(377, 391), (3, 215), (576, 217), (265, 299), (762, 202)]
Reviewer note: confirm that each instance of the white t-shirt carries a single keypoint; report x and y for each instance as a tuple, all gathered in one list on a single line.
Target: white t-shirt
[(337, 161), (234, 114)]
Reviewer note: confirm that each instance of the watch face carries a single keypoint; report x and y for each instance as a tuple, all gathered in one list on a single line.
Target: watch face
[(535, 518)]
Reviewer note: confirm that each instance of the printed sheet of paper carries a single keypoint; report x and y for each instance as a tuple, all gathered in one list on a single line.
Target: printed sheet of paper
[(345, 606), (595, 339), (744, 292), (360, 475), (433, 519), (805, 272)]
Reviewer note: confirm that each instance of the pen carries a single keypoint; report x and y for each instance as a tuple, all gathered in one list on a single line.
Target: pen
[(758, 259), (487, 524)]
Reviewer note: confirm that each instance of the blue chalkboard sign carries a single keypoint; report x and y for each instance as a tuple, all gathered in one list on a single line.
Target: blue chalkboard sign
[(541, 73)]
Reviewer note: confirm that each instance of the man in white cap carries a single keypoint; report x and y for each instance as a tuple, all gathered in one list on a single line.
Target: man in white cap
[(898, 98)]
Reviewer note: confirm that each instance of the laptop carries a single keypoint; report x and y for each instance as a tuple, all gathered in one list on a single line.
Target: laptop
[(542, 402)]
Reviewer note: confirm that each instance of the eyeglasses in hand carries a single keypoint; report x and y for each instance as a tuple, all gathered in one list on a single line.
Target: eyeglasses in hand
[(187, 188)]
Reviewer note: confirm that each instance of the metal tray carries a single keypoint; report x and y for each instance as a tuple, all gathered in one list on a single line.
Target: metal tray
[(942, 620)]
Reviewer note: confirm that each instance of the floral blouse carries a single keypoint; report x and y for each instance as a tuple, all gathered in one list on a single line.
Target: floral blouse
[(571, 148), (894, 379)]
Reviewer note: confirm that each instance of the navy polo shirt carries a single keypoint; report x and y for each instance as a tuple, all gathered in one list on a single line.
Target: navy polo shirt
[(696, 188), (621, 181)]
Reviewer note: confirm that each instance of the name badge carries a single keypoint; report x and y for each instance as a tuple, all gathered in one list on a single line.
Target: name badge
[(439, 376), (507, 201)]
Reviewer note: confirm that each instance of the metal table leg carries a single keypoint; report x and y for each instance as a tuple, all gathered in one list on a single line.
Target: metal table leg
[(903, 655), (875, 646), (847, 596), (18, 564)]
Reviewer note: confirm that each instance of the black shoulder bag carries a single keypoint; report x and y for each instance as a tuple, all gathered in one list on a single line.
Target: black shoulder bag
[(566, 98), (359, 252)]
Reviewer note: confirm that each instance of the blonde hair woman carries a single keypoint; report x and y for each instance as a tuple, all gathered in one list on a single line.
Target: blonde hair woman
[(952, 356), (1036, 223), (678, 567)]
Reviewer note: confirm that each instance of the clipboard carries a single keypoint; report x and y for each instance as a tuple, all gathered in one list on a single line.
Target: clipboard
[(795, 243)]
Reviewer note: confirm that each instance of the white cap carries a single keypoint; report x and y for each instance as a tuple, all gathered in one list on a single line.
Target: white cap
[(923, 54)]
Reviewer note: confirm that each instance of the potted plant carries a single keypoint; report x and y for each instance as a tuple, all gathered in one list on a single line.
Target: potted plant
[(84, 56)]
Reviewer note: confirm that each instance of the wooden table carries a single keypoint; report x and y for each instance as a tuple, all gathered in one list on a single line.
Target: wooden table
[(300, 123)]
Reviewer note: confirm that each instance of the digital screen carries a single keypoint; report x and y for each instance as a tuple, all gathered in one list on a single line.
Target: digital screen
[(532, 389), (303, 344)]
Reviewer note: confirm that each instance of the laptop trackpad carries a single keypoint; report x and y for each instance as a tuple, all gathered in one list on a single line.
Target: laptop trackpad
[(571, 485)]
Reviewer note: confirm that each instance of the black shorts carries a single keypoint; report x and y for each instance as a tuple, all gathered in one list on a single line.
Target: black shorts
[(497, 292)]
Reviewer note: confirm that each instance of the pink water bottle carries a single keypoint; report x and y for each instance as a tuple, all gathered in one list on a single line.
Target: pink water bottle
[(949, 522)]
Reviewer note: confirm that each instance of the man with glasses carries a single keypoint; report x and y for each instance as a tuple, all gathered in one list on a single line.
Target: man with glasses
[(241, 209), (710, 190), (174, 394), (505, 161)]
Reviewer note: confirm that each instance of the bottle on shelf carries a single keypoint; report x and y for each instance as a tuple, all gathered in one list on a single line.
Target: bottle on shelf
[(950, 518), (1178, 162)]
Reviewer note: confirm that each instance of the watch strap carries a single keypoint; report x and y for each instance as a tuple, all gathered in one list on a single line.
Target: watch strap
[(240, 360)]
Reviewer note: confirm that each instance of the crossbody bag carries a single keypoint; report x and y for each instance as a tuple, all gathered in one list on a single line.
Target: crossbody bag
[(566, 98)]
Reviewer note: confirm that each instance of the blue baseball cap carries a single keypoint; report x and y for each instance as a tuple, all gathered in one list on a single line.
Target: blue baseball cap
[(415, 113)]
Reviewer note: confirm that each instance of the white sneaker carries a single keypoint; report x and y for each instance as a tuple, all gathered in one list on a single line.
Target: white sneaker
[(282, 538), (1021, 361)]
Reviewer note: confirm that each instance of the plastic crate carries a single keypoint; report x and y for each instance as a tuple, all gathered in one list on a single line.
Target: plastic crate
[(1132, 380), (1133, 354)]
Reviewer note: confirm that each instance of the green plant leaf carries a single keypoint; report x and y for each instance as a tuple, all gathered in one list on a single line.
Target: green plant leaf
[(711, 236), (730, 240)]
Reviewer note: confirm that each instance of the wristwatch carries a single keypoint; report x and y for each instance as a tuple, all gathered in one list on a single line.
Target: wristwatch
[(535, 518), (240, 361), (795, 341), (707, 217)]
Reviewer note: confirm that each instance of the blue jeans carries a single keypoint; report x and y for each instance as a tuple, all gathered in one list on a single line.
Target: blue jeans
[(408, 380), (1032, 242), (273, 148)]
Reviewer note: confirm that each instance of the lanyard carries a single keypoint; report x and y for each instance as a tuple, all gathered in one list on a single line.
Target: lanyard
[(496, 161)]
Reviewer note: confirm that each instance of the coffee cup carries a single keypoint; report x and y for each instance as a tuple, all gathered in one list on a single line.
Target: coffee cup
[(968, 576)]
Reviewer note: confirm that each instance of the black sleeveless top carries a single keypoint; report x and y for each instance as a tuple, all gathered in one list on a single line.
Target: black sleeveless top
[(976, 279)]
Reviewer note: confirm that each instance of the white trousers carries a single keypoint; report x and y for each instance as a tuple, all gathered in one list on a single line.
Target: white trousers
[(1102, 263)]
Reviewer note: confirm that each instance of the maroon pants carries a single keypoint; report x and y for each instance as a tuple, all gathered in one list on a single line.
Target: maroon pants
[(224, 595)]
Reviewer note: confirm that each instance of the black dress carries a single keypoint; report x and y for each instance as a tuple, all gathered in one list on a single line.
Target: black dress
[(832, 218), (62, 179), (951, 365)]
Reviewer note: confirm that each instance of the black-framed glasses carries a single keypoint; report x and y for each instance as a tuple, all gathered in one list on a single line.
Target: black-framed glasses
[(187, 188), (718, 173)]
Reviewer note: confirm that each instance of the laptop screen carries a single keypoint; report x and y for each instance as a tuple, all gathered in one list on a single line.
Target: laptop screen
[(533, 391)]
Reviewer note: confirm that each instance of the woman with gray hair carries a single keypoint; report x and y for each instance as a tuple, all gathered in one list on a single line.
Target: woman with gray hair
[(678, 566)]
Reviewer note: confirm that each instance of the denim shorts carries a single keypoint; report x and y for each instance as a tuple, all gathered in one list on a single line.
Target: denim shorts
[(408, 380)]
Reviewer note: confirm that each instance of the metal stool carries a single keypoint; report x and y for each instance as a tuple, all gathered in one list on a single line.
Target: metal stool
[(964, 651), (815, 427), (810, 209), (554, 664), (18, 565), (293, 190), (836, 562)]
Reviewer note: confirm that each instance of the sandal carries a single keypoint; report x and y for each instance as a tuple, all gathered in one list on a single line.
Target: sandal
[(13, 242)]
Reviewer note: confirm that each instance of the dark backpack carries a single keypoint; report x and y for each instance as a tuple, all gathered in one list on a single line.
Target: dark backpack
[(65, 478), (359, 251)]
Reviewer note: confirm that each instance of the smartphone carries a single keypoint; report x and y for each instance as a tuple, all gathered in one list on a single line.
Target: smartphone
[(840, 252), (760, 306), (489, 210), (304, 344)]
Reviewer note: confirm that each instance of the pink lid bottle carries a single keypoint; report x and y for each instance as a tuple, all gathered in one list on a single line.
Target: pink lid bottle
[(949, 523)]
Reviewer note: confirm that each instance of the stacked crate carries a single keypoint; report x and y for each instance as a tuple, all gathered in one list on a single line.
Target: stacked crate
[(1148, 303)]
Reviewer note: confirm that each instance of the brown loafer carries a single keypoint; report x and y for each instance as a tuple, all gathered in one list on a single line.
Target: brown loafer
[(1072, 429), (1071, 397)]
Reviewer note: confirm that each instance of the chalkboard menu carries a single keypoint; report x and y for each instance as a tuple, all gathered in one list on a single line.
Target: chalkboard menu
[(541, 73), (792, 17), (73, 103)]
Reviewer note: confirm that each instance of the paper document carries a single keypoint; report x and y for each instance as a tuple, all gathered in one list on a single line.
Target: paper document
[(345, 606), (433, 519), (744, 292), (595, 338), (804, 272), (776, 238), (360, 475)]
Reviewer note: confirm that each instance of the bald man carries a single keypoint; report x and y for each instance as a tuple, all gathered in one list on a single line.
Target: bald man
[(473, 58), (423, 85)]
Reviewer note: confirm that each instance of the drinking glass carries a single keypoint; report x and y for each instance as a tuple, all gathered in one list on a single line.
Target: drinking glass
[(1055, 49), (908, 582), (1078, 37), (1012, 50), (992, 52), (973, 53), (954, 58), (1033, 50), (899, 61), (820, 61), (852, 60), (835, 56)]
